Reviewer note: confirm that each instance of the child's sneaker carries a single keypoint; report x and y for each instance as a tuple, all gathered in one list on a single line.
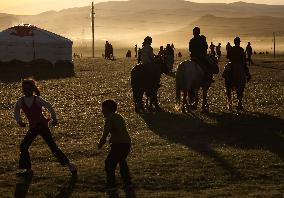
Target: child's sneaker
[(25, 173), (72, 168)]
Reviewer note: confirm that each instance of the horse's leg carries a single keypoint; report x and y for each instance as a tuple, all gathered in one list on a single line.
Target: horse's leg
[(229, 98), (155, 100), (240, 95), (196, 96), (184, 101), (205, 105), (140, 105)]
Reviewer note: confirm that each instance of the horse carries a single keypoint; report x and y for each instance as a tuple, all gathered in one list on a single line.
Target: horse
[(235, 80), (146, 79), (189, 80)]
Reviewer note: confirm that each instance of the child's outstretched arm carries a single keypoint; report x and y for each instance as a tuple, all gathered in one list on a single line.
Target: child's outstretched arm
[(49, 107), (17, 114)]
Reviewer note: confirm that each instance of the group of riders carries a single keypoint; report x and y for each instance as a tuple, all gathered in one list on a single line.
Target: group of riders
[(198, 48)]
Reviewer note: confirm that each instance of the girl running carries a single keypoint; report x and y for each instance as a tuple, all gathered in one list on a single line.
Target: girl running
[(31, 104)]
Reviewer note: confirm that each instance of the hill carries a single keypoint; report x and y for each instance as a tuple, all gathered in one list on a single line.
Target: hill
[(258, 29), (137, 18)]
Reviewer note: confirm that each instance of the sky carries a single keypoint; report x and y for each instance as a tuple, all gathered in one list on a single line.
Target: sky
[(38, 6)]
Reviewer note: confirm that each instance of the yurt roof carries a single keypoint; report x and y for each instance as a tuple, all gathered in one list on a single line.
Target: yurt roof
[(28, 32)]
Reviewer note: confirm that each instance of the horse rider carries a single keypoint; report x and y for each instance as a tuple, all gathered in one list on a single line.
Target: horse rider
[(161, 52), (146, 53), (237, 56), (198, 51)]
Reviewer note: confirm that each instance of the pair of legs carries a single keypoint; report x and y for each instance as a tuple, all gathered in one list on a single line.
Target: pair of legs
[(44, 132), (117, 155)]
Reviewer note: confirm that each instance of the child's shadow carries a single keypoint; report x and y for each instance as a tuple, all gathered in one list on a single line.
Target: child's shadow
[(22, 187)]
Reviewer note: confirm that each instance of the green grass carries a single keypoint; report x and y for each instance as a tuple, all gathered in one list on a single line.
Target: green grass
[(220, 154)]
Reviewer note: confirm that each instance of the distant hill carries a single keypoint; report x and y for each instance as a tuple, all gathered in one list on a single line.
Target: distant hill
[(220, 29), (130, 20)]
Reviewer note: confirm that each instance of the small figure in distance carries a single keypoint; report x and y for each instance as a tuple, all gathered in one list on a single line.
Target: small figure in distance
[(212, 49), (128, 54), (32, 105), (228, 47), (218, 51), (248, 52), (120, 146), (136, 51)]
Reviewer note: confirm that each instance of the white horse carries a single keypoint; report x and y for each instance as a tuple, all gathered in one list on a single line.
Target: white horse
[(189, 79)]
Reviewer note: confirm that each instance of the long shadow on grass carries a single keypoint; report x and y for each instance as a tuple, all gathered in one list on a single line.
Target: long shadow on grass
[(246, 131)]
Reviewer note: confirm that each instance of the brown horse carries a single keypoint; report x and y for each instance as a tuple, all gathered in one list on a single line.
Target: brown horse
[(146, 79), (235, 80)]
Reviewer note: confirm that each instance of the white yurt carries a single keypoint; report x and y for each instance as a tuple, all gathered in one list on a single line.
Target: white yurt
[(27, 42)]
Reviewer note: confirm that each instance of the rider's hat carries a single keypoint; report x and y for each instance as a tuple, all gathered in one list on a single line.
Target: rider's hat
[(237, 40), (148, 39)]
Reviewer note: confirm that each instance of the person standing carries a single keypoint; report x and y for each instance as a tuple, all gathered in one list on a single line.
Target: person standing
[(120, 145), (228, 47), (136, 51), (218, 51), (248, 52)]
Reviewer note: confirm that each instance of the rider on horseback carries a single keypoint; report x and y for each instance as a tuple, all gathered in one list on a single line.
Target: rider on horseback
[(236, 55), (198, 52), (147, 54)]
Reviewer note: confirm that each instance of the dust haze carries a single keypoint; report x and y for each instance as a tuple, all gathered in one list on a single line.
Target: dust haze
[(125, 23)]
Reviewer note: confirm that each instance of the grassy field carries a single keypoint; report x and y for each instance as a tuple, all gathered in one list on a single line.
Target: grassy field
[(220, 154)]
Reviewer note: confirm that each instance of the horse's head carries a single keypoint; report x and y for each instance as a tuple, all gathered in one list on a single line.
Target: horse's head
[(160, 60), (213, 61)]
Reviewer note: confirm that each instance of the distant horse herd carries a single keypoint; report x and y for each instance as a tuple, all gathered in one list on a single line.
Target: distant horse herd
[(145, 80)]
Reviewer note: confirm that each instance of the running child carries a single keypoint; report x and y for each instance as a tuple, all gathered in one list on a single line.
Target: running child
[(31, 104)]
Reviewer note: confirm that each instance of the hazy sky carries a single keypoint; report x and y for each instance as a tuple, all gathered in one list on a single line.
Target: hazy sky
[(37, 6)]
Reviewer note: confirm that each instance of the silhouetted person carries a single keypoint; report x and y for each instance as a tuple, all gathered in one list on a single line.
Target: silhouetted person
[(198, 51), (170, 57), (147, 54), (173, 46), (161, 51), (228, 47), (120, 145), (212, 49), (179, 54), (237, 56), (128, 54), (218, 51), (136, 51), (32, 104), (111, 51), (249, 53), (107, 50)]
